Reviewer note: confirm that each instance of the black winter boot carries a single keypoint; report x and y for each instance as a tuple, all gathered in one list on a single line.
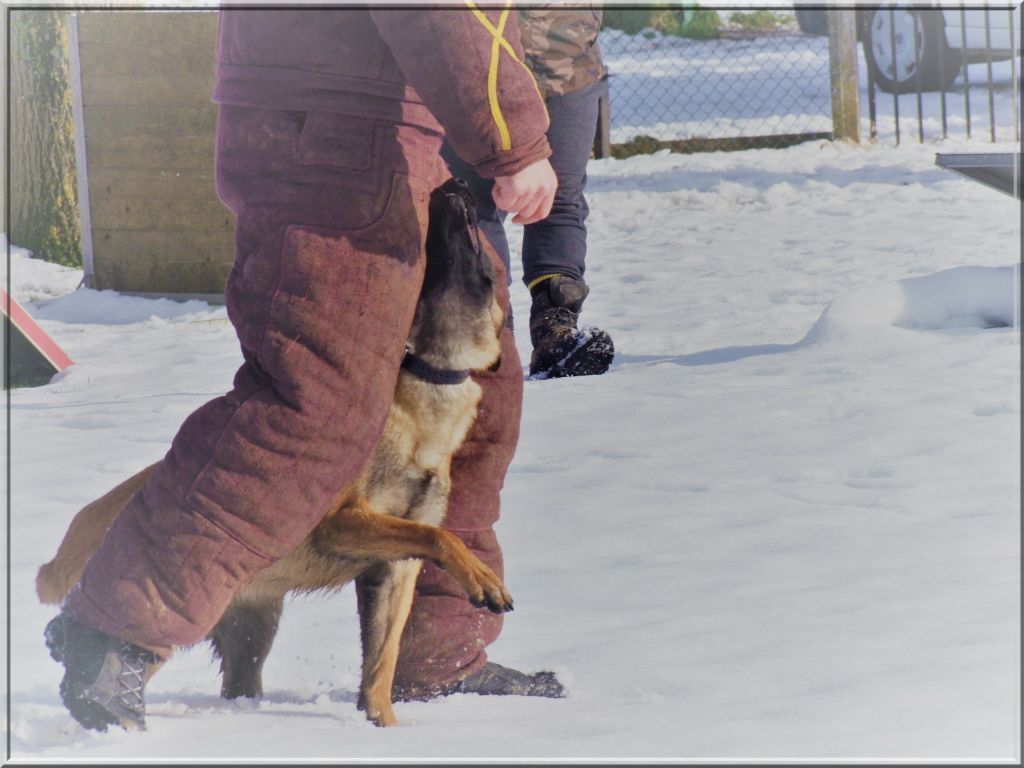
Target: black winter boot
[(560, 348), (104, 677), (495, 680)]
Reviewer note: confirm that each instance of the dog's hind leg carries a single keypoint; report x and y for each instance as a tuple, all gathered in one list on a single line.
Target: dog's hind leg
[(385, 598), (242, 639)]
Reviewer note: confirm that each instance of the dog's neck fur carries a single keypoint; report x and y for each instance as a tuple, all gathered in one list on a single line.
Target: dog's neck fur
[(443, 415)]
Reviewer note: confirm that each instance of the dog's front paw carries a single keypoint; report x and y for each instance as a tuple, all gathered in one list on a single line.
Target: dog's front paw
[(483, 586), (486, 590), (378, 712), (382, 718)]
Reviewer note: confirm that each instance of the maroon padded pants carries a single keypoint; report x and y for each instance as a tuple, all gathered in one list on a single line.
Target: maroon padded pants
[(331, 223)]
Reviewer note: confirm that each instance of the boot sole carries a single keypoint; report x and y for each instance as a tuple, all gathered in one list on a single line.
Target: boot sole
[(592, 356)]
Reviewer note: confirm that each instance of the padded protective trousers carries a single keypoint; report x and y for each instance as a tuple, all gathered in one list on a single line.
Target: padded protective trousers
[(331, 223)]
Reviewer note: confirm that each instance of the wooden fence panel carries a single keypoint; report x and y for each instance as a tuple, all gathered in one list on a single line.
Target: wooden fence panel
[(157, 226)]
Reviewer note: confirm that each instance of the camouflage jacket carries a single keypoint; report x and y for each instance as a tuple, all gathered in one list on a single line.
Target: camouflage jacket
[(561, 48)]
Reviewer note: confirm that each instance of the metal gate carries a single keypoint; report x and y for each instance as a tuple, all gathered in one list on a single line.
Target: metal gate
[(937, 73)]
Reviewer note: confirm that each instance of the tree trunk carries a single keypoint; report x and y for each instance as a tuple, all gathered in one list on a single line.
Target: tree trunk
[(44, 201)]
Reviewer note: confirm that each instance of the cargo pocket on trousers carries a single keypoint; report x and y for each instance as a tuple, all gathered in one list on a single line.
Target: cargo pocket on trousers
[(348, 170), (339, 141)]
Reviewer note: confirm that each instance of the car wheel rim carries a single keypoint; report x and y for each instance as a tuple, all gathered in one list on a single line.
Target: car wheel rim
[(899, 64)]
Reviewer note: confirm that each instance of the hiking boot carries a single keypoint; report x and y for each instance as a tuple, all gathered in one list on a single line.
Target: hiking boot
[(104, 677), (560, 348), (495, 680)]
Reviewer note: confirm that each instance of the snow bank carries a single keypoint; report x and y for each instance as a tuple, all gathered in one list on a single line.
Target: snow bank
[(34, 279), (963, 297), (112, 308), (55, 294)]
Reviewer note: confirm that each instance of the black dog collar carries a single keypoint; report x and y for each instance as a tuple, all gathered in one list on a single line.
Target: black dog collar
[(428, 373)]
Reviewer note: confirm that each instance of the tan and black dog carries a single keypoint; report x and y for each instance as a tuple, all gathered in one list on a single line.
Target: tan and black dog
[(387, 519)]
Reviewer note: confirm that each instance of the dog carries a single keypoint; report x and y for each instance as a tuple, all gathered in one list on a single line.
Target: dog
[(385, 523)]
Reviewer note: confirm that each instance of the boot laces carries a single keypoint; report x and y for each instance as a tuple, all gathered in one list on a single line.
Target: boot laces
[(562, 322), (555, 325), (131, 681)]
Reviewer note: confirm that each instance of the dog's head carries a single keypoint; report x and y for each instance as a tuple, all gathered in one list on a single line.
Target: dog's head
[(458, 320)]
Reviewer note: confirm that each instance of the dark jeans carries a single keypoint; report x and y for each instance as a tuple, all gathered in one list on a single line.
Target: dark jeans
[(557, 244)]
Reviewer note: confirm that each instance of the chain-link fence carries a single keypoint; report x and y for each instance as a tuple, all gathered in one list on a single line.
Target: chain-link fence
[(740, 90), (771, 87)]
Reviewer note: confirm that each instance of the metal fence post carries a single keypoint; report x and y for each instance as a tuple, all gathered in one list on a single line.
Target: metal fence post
[(842, 50), (602, 135)]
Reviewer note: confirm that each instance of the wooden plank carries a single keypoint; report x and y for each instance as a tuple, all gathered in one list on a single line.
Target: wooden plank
[(146, 90), (182, 119), (178, 153), (161, 277), (142, 214), (147, 26), (130, 57), (163, 262), (152, 184), (170, 246)]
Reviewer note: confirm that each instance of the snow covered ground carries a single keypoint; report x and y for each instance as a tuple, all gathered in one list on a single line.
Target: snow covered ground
[(784, 525)]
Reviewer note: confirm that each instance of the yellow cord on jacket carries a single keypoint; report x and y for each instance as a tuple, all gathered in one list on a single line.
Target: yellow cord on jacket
[(498, 33), (492, 84)]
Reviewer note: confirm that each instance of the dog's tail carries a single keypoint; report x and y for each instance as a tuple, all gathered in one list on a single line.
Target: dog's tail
[(84, 536)]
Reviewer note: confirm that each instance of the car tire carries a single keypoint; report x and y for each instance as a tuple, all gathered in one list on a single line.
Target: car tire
[(936, 64), (812, 21)]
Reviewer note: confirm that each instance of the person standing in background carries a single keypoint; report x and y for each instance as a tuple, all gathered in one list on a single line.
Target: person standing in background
[(561, 49)]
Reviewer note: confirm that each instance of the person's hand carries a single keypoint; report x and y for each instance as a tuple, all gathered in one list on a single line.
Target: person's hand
[(529, 193)]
